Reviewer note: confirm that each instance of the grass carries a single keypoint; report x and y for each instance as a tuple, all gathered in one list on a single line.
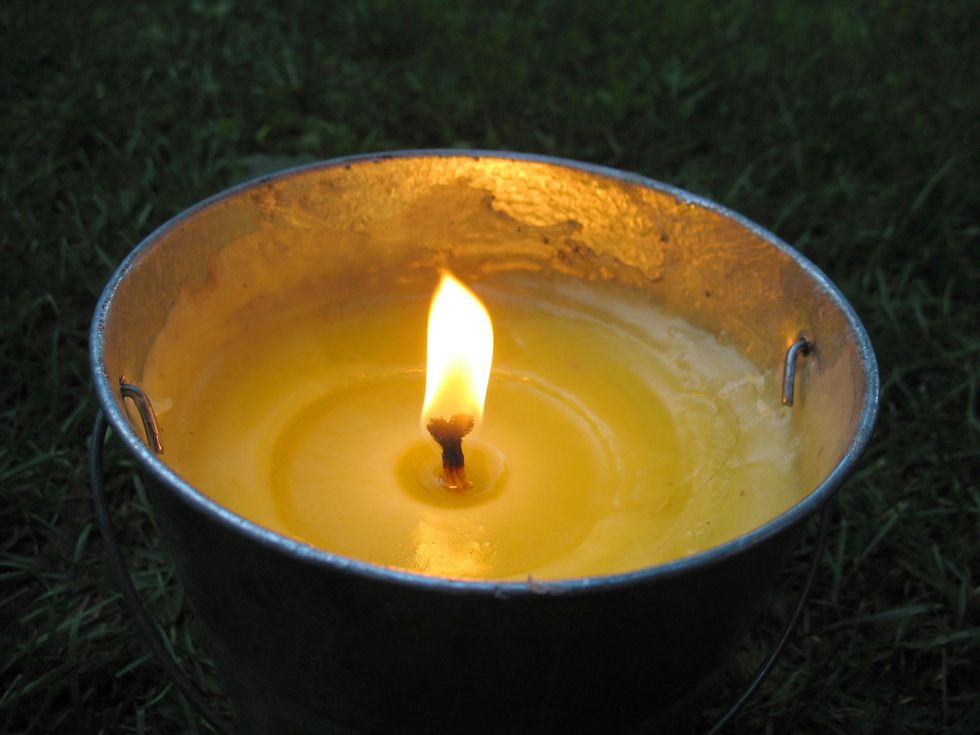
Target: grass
[(850, 129)]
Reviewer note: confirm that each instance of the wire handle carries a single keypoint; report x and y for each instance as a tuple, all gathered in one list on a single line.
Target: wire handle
[(766, 666), (148, 630)]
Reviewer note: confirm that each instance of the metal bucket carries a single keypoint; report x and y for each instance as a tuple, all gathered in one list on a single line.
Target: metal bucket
[(307, 641)]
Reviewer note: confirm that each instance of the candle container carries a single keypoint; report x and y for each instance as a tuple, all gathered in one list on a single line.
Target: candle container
[(307, 641)]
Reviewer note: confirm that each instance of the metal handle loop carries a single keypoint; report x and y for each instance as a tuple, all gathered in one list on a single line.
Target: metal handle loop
[(147, 414), (147, 629), (802, 346)]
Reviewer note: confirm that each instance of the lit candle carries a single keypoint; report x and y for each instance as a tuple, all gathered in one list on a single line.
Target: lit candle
[(614, 436), (457, 370)]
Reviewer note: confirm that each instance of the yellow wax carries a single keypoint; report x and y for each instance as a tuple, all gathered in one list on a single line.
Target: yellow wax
[(614, 436)]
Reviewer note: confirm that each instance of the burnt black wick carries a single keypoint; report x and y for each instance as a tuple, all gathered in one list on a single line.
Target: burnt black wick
[(449, 435)]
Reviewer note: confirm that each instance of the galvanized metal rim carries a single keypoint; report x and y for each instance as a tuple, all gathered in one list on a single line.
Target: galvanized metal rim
[(105, 387)]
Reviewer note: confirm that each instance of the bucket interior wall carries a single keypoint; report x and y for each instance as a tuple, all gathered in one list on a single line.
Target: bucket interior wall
[(347, 229)]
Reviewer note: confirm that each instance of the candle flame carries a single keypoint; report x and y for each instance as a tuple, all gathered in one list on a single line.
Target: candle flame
[(459, 353)]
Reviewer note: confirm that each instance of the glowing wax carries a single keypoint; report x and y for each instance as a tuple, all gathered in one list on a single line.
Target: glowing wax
[(614, 436)]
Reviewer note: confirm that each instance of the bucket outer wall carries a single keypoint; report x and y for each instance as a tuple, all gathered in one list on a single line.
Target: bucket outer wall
[(302, 648)]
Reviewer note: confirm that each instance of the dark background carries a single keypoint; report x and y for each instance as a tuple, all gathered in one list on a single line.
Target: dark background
[(848, 128)]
